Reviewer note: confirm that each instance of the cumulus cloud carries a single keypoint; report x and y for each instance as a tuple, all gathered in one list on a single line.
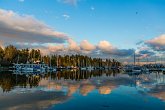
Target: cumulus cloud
[(85, 45), (105, 46), (24, 28), (103, 49), (73, 46), (157, 43), (108, 48)]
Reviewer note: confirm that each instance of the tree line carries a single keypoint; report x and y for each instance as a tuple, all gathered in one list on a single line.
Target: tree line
[(10, 54)]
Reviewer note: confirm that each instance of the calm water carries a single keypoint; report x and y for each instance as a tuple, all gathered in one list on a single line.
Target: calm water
[(82, 90)]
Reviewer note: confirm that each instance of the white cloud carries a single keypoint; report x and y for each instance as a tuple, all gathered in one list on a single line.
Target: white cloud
[(66, 17), (108, 49), (105, 46), (85, 45), (73, 46), (55, 48), (157, 43), (25, 28)]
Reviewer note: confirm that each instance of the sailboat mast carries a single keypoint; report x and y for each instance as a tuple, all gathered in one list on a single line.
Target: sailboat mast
[(134, 58)]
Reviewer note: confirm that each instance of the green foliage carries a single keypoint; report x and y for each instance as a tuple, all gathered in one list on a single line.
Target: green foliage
[(12, 55), (1, 54), (23, 56)]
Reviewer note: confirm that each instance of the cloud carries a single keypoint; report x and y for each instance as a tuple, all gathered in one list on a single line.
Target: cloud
[(158, 91), (66, 17), (25, 28), (85, 45), (24, 31), (32, 100), (157, 43), (55, 48), (103, 49), (123, 52), (73, 46), (144, 53), (105, 46), (108, 48)]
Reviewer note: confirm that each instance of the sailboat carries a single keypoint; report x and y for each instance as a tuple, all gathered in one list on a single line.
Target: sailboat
[(133, 68)]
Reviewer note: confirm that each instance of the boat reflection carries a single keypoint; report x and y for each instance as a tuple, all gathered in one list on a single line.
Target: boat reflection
[(10, 80), (41, 91)]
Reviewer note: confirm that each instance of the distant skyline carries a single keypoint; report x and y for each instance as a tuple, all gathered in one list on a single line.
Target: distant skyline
[(98, 28)]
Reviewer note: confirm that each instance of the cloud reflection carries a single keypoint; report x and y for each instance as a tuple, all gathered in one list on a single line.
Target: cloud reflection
[(31, 101)]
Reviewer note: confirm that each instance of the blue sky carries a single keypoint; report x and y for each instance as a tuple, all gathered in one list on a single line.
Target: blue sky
[(123, 23)]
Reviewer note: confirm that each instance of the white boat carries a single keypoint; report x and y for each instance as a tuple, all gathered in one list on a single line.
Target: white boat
[(30, 67), (128, 68), (133, 69), (136, 69), (27, 69), (146, 70)]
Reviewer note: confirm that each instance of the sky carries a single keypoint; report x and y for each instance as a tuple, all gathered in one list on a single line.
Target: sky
[(99, 28)]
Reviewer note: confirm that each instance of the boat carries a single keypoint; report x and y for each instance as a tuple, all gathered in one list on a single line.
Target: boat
[(30, 67), (136, 69), (133, 68)]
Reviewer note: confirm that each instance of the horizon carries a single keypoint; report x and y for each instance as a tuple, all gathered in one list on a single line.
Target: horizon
[(113, 28)]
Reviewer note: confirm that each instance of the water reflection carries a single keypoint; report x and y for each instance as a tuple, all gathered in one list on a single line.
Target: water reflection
[(36, 100), (43, 91), (9, 80)]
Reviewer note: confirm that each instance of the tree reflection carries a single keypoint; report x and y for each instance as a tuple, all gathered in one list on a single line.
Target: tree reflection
[(9, 81)]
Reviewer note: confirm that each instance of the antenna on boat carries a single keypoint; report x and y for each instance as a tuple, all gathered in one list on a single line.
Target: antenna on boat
[(155, 59)]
